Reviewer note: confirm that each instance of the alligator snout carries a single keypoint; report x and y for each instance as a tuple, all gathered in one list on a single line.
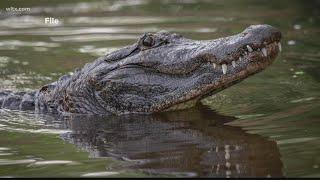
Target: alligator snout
[(262, 33)]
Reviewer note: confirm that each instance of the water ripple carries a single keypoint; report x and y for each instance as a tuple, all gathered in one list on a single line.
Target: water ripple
[(12, 162), (54, 162), (100, 174), (14, 44), (297, 140), (92, 37), (96, 51), (4, 149), (25, 122)]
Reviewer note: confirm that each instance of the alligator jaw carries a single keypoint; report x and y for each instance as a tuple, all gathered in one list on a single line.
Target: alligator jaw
[(247, 60), (266, 56)]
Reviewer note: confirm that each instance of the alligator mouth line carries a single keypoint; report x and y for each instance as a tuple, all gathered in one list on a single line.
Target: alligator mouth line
[(252, 53)]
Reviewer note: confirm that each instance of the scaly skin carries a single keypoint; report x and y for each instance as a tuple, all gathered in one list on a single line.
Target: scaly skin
[(157, 73)]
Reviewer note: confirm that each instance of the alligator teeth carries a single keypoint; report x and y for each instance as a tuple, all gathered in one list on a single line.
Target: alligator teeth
[(233, 64), (224, 68), (249, 48), (279, 45), (214, 65), (264, 52)]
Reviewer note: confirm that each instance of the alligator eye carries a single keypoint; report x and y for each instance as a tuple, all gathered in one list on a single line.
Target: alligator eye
[(148, 41)]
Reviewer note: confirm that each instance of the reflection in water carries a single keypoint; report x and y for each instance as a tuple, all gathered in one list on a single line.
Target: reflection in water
[(193, 140)]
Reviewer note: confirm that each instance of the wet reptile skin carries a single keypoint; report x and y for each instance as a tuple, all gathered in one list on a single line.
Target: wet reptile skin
[(159, 72)]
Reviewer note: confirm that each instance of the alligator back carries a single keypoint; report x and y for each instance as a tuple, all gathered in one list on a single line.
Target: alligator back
[(17, 100)]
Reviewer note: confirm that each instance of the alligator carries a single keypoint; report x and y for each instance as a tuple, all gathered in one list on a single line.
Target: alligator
[(161, 71)]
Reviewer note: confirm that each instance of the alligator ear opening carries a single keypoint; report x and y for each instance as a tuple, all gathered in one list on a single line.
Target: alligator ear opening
[(121, 53)]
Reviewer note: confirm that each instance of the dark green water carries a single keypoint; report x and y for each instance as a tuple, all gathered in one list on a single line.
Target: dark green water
[(265, 126)]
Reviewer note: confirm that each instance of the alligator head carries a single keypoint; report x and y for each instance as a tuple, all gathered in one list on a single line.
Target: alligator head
[(163, 70)]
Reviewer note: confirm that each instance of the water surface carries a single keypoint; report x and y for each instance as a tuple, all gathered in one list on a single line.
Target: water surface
[(265, 126)]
